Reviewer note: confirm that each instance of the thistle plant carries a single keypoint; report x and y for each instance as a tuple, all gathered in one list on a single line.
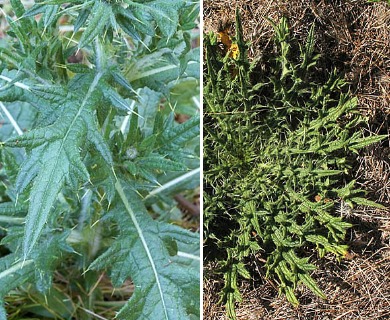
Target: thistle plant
[(278, 159), (92, 155)]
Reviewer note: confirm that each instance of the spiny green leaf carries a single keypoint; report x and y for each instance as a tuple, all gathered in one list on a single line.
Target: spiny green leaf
[(147, 144), (242, 271), (308, 281), (183, 132), (34, 10), (146, 260), (159, 70), (18, 7), (148, 107), (127, 26), (323, 243), (164, 13), (158, 162), (46, 259), (136, 18), (364, 142), (345, 192), (81, 19), (100, 13), (301, 263), (183, 181), (58, 158), (10, 57), (121, 80), (291, 297), (366, 202), (78, 68), (230, 293), (189, 15), (29, 169), (14, 273), (116, 99), (325, 173), (57, 148), (50, 15), (10, 208), (19, 10)]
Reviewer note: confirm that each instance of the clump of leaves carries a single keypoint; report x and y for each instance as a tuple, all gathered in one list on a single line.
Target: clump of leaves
[(96, 85), (279, 150)]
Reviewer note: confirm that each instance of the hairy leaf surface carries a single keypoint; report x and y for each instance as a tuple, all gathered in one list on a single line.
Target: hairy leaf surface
[(87, 93), (140, 253), (57, 150)]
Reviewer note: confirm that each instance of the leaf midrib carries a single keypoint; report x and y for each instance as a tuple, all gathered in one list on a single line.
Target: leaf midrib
[(121, 193), (59, 154), (90, 90)]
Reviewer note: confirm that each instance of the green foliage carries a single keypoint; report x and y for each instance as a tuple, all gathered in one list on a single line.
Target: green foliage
[(92, 155), (140, 252), (279, 147)]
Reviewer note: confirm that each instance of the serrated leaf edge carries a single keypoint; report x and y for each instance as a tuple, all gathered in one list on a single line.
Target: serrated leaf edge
[(119, 189)]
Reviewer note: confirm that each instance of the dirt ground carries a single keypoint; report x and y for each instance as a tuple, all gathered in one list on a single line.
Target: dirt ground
[(353, 37)]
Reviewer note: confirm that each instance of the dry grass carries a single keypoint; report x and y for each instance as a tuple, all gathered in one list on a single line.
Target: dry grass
[(353, 37), (358, 288)]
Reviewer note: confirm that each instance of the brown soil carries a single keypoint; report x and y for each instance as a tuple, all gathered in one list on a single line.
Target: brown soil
[(353, 36)]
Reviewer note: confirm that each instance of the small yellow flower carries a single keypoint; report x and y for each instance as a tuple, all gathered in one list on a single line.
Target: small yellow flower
[(234, 51), (224, 38)]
